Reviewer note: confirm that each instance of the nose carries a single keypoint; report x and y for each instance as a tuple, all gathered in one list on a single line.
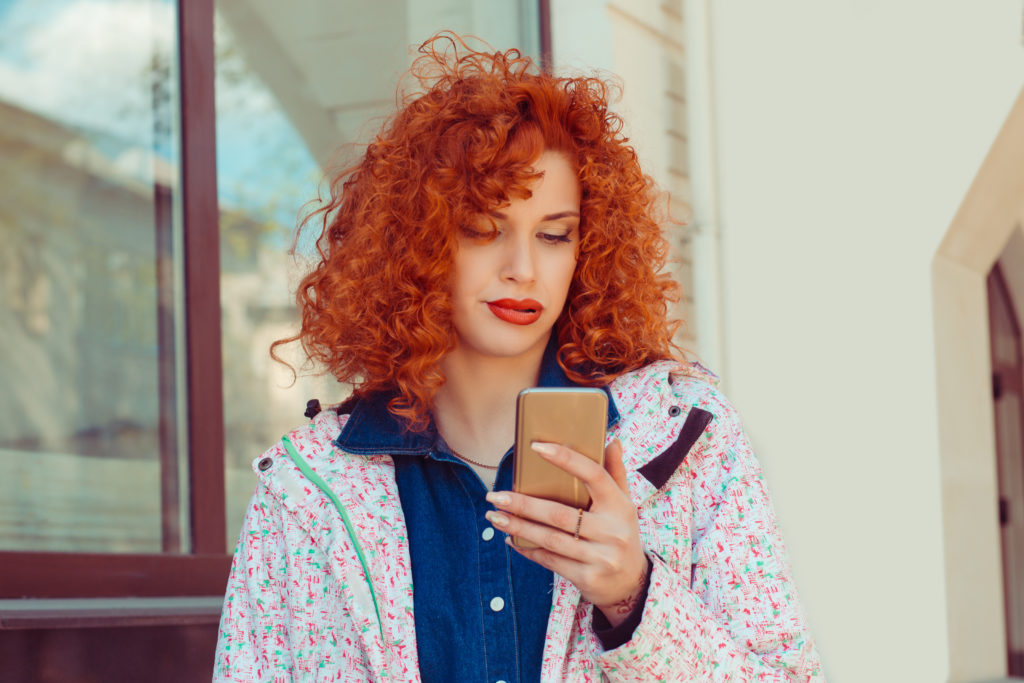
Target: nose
[(518, 261)]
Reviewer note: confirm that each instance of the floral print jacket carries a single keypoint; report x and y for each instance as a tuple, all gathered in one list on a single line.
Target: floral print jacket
[(306, 603)]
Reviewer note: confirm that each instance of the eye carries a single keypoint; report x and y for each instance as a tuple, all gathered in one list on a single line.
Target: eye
[(479, 235), (555, 238)]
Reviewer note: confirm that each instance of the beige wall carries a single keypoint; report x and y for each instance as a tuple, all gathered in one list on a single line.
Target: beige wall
[(847, 135), (829, 146)]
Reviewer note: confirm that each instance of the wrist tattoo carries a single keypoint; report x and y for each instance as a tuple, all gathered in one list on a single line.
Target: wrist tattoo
[(628, 603)]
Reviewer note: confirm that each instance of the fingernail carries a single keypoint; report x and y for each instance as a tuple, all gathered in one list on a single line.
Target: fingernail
[(543, 448), (496, 518), (498, 498)]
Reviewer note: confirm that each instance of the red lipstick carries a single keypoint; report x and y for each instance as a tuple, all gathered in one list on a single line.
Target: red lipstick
[(516, 311)]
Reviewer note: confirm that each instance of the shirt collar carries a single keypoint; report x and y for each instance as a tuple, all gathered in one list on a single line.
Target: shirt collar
[(372, 429)]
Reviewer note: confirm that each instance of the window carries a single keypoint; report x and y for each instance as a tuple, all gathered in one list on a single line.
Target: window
[(112, 430), (143, 270), (296, 94)]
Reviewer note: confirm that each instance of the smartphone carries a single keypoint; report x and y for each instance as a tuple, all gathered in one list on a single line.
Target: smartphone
[(573, 417)]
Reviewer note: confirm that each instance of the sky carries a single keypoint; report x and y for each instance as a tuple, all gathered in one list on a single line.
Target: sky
[(88, 65)]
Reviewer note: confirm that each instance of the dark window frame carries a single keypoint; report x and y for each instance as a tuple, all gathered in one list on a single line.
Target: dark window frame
[(544, 28)]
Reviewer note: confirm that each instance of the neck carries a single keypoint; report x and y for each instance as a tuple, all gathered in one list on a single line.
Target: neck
[(476, 407)]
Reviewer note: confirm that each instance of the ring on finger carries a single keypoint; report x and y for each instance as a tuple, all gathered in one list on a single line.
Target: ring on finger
[(579, 523)]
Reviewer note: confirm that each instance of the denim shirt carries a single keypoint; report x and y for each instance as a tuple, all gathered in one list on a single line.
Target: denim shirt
[(481, 609)]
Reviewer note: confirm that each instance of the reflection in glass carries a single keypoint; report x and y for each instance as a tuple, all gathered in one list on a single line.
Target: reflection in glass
[(88, 165), (293, 87)]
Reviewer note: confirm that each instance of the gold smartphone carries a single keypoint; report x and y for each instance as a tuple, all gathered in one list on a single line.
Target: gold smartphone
[(573, 417)]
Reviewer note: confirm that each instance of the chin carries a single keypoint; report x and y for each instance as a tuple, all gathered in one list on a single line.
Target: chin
[(502, 344), (506, 350), (487, 336)]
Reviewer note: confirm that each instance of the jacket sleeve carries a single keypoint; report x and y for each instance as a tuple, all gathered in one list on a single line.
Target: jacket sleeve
[(735, 615), (252, 644)]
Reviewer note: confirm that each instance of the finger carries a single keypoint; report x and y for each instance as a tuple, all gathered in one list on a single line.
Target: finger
[(562, 566), (613, 463), (593, 475), (547, 512), (554, 540)]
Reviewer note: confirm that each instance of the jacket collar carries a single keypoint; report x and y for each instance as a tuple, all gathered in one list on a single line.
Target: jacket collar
[(372, 430)]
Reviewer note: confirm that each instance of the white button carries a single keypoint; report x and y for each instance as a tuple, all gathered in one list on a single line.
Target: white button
[(497, 604), (488, 534), (499, 681)]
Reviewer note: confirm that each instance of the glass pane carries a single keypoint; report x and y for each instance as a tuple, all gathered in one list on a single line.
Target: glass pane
[(292, 87), (88, 168)]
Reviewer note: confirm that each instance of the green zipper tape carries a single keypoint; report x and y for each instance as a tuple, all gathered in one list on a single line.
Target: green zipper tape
[(306, 470)]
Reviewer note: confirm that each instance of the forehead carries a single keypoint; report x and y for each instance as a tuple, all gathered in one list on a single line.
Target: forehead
[(557, 187), (558, 171)]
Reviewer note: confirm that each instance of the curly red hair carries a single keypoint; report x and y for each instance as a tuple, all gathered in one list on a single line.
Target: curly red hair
[(376, 309)]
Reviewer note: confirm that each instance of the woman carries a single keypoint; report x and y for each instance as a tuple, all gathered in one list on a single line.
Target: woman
[(499, 234)]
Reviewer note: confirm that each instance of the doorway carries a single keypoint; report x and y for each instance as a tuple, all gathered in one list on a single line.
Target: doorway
[(1008, 410), (985, 619)]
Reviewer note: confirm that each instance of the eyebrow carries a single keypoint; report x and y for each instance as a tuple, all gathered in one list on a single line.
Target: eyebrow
[(550, 217)]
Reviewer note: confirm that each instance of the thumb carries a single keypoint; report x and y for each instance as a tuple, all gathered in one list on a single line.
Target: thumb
[(613, 464)]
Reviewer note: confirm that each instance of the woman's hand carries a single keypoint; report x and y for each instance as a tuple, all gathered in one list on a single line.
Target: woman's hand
[(607, 561)]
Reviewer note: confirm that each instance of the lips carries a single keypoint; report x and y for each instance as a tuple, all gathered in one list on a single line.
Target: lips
[(516, 311)]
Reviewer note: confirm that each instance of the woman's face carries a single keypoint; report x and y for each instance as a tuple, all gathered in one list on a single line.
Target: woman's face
[(507, 292)]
